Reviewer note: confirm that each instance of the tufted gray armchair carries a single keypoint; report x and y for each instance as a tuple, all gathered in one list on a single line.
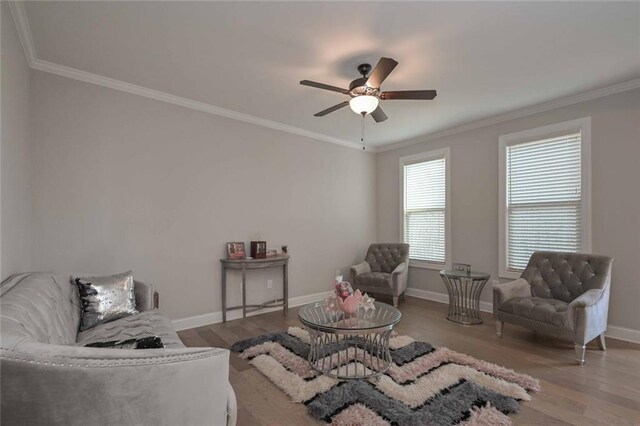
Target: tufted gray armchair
[(562, 294), (383, 271)]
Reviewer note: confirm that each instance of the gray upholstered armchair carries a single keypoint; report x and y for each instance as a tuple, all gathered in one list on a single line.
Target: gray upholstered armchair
[(562, 294), (384, 270)]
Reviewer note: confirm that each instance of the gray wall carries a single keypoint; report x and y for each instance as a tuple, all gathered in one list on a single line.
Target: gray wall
[(100, 181), (123, 182), (474, 195), (15, 211)]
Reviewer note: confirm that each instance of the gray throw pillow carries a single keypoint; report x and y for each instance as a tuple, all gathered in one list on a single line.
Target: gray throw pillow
[(104, 299)]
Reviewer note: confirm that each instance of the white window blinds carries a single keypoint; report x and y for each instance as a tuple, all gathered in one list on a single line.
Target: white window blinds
[(425, 210), (544, 198)]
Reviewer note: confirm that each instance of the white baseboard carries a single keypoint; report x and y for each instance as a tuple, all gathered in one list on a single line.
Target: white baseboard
[(623, 333), (613, 332), (216, 317)]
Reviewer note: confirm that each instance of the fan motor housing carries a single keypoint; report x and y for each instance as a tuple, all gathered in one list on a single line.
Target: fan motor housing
[(358, 87)]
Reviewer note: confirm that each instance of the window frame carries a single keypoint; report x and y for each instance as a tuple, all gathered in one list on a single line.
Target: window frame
[(580, 125), (419, 158)]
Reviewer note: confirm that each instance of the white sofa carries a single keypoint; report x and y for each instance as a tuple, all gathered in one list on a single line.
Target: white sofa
[(49, 377)]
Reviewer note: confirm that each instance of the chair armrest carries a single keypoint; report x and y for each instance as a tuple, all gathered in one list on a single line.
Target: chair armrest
[(359, 269), (505, 291), (401, 268), (586, 299), (151, 386), (145, 296), (588, 313), (399, 278)]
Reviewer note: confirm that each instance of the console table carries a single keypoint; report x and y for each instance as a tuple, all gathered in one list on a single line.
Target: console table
[(281, 260)]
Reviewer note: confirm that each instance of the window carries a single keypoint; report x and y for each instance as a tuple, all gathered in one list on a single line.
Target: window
[(424, 208), (544, 196)]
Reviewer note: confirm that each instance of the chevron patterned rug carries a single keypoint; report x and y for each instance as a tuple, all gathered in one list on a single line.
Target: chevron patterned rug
[(424, 386)]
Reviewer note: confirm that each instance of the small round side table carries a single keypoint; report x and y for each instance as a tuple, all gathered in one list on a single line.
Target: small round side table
[(464, 290)]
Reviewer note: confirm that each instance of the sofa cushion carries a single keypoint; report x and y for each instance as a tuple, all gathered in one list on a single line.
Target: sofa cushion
[(142, 343), (373, 279), (145, 324), (40, 307), (105, 299), (548, 311)]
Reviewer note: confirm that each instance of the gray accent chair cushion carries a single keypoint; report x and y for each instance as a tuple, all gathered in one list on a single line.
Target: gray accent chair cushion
[(49, 377), (547, 311), (384, 270), (559, 293)]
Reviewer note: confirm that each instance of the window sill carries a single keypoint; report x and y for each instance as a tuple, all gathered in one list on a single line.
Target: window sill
[(511, 275), (426, 265)]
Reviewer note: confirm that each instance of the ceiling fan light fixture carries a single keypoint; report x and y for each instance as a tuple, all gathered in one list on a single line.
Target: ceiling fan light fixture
[(365, 91), (364, 104)]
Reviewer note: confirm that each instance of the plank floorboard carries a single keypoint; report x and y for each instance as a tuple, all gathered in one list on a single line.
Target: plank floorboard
[(603, 391)]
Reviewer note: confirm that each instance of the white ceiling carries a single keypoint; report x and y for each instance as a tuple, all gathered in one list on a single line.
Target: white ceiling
[(483, 58)]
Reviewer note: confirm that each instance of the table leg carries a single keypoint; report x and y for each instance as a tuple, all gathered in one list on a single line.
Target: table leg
[(244, 292), (285, 288), (224, 293)]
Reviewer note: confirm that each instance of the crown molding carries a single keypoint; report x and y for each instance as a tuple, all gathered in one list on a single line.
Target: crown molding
[(518, 113), (100, 80), (24, 32)]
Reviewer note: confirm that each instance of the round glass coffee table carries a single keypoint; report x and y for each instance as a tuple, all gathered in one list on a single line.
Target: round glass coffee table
[(349, 346)]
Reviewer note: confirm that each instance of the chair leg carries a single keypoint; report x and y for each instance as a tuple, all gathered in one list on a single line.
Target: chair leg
[(580, 350), (601, 343), (499, 326), (402, 296), (395, 301)]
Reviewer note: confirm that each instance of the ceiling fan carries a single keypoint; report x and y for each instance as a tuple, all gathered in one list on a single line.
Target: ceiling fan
[(365, 91)]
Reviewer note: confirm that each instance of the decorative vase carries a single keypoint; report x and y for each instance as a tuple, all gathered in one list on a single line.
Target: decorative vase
[(351, 304)]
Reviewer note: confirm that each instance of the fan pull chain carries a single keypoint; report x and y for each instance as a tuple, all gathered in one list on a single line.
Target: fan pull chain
[(362, 131)]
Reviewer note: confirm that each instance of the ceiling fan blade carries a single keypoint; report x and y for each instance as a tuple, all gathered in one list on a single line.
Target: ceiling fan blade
[(380, 72), (409, 94), (378, 115), (333, 108), (323, 86)]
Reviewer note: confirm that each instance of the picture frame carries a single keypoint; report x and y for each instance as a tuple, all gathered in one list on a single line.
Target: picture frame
[(462, 267), (259, 249), (235, 250)]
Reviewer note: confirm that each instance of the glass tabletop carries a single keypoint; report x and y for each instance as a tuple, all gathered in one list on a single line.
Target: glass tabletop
[(319, 316), (464, 274)]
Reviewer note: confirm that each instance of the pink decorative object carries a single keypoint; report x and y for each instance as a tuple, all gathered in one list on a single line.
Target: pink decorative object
[(351, 304), (345, 299)]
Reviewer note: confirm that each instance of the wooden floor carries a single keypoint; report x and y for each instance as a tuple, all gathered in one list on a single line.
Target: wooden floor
[(605, 390)]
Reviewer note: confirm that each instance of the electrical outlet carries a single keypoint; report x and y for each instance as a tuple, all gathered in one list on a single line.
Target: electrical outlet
[(269, 283)]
